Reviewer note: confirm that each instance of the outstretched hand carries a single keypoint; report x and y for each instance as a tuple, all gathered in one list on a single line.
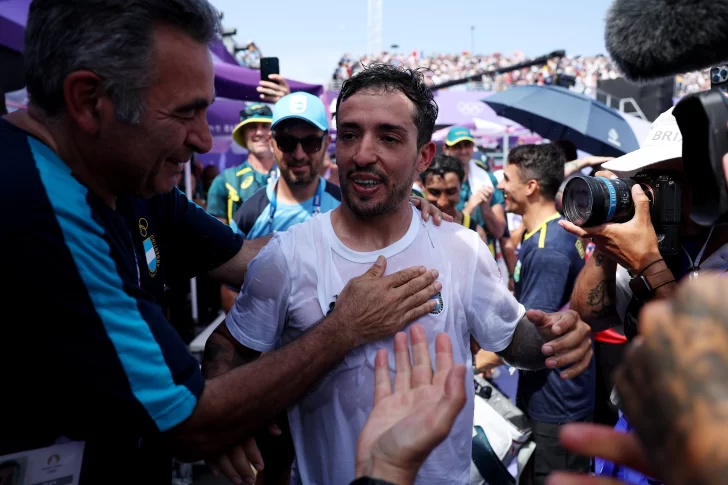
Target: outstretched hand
[(408, 422), (595, 440)]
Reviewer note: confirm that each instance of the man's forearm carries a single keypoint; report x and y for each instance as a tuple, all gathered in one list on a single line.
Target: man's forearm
[(222, 355), (524, 351), (232, 272), (237, 402), (594, 294), (495, 219), (509, 254)]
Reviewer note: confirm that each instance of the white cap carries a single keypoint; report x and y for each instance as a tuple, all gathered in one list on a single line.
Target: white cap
[(663, 142)]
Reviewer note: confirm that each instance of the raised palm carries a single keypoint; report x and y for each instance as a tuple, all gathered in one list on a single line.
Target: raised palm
[(407, 423)]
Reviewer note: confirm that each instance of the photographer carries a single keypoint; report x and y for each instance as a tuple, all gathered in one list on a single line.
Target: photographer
[(652, 382), (628, 268)]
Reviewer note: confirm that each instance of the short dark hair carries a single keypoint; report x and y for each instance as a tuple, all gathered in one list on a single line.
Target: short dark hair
[(112, 38), (443, 164), (411, 82), (543, 163)]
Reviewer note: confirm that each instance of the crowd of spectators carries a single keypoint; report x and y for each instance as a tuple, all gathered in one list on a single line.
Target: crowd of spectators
[(586, 70)]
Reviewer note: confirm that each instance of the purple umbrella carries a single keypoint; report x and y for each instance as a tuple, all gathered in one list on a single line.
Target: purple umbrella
[(221, 54), (13, 17), (237, 82)]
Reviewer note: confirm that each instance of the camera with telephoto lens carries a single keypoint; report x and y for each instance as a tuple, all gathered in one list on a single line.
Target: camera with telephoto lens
[(591, 201), (703, 122)]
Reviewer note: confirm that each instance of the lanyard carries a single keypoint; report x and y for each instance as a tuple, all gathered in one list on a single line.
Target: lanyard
[(695, 265), (316, 203)]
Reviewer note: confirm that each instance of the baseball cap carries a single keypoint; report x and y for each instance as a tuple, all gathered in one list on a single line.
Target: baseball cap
[(302, 106), (458, 134), (253, 113), (663, 142)]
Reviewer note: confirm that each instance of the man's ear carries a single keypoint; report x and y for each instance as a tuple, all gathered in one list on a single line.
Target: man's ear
[(427, 153), (532, 187), (85, 100), (271, 142)]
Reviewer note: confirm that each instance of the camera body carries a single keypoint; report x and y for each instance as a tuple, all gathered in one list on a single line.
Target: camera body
[(703, 122), (592, 201)]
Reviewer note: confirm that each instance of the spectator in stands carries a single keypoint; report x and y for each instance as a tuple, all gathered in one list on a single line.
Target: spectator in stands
[(587, 70), (250, 57)]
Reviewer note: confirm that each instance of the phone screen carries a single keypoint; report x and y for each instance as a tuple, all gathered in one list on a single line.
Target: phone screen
[(268, 66)]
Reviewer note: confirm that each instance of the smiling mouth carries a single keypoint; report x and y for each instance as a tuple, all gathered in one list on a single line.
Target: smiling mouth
[(367, 183)]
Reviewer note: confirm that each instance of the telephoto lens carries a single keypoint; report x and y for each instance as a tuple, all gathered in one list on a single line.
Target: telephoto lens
[(591, 201)]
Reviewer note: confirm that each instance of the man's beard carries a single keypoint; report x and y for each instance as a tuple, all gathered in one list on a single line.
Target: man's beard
[(301, 180), (396, 194)]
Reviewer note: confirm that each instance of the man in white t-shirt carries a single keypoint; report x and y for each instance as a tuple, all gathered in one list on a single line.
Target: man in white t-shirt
[(385, 121)]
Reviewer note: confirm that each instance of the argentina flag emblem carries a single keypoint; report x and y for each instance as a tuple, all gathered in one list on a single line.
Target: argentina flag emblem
[(440, 304), (152, 255)]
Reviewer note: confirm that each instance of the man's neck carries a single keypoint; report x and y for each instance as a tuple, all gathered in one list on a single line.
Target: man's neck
[(259, 164), (537, 213), (295, 194), (371, 234), (59, 141)]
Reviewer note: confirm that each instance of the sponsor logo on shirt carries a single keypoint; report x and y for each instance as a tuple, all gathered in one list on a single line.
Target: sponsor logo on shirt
[(247, 182)]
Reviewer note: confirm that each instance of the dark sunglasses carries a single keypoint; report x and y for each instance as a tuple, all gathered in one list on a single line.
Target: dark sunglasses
[(288, 143)]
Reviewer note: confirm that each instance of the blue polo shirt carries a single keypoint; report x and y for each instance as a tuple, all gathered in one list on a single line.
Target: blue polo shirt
[(548, 263), (253, 219), (90, 354)]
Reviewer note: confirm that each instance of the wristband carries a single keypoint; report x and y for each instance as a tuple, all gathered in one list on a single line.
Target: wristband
[(651, 264)]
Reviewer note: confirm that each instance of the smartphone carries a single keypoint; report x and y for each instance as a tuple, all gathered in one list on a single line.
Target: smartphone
[(268, 66)]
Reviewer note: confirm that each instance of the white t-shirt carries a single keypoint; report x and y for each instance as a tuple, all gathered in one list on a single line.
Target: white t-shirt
[(290, 286)]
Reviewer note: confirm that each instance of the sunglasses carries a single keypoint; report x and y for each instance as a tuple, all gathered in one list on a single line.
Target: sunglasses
[(288, 143)]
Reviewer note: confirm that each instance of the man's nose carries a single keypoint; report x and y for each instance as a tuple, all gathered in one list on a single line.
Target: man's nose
[(366, 153), (199, 137), (299, 153)]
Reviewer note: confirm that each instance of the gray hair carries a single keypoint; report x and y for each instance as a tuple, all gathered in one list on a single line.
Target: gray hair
[(112, 38)]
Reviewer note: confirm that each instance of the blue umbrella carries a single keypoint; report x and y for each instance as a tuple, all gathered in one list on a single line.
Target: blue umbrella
[(559, 114)]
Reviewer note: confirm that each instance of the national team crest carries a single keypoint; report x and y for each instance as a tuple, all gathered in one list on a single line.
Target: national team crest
[(440, 304), (517, 272), (151, 252)]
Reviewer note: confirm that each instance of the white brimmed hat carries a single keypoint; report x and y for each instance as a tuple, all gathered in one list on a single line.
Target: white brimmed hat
[(663, 142)]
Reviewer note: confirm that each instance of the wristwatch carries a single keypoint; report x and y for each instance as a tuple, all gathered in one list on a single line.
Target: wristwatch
[(643, 287)]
